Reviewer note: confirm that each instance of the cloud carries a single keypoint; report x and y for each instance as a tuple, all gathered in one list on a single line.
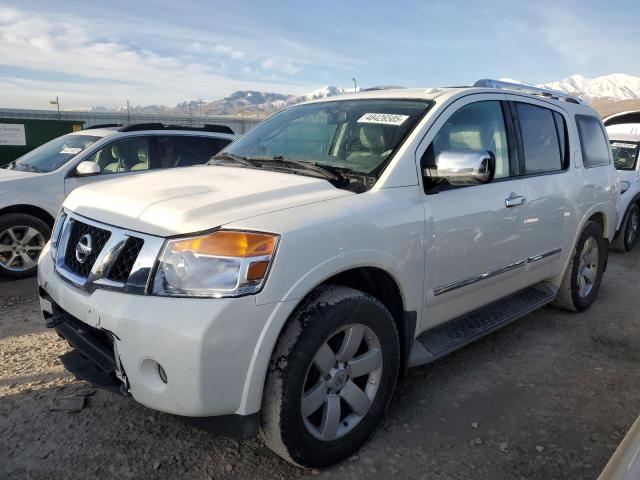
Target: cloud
[(279, 66), (42, 45)]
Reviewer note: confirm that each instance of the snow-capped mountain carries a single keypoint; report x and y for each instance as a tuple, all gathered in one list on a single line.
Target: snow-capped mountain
[(614, 87)]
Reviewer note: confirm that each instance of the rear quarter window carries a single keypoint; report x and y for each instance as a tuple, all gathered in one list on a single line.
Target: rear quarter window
[(593, 141)]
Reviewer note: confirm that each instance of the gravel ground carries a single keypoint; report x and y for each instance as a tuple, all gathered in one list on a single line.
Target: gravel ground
[(548, 397)]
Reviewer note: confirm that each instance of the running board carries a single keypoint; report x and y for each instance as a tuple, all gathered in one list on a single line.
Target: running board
[(441, 340)]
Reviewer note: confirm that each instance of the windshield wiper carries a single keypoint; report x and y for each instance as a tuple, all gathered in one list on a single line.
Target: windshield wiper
[(30, 167), (331, 174), (239, 159)]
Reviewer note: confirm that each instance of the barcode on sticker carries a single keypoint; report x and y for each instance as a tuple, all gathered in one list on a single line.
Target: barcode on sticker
[(383, 118)]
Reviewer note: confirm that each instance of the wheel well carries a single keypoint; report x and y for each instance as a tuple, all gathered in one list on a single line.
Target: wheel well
[(599, 219), (30, 210), (379, 284)]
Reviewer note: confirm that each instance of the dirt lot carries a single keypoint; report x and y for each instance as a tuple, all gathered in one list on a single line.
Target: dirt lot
[(549, 397)]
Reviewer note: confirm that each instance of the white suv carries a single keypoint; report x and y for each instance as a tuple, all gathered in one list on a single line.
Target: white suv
[(286, 287), (33, 187), (625, 145)]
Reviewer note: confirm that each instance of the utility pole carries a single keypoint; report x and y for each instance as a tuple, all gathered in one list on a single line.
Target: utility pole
[(128, 114), (56, 102), (355, 85)]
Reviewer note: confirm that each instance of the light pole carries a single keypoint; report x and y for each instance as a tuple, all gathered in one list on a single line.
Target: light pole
[(355, 85), (56, 102)]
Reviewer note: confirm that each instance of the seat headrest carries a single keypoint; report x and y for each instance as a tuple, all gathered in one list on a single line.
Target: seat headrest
[(372, 137)]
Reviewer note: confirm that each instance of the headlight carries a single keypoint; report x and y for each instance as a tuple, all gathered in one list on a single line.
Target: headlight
[(220, 264), (624, 186), (55, 233)]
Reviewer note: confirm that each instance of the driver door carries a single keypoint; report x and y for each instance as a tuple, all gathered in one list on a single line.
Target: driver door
[(476, 248)]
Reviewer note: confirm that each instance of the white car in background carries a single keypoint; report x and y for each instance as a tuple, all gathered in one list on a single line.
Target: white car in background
[(284, 288), (33, 187), (625, 146)]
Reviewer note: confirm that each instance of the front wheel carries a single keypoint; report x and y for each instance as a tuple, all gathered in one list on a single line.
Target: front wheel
[(582, 279), (331, 377), (628, 235), (22, 238)]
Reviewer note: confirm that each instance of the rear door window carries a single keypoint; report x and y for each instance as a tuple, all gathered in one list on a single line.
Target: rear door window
[(543, 138), (183, 150), (625, 155), (593, 141)]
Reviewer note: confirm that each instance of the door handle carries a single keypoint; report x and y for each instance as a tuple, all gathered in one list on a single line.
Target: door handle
[(515, 200)]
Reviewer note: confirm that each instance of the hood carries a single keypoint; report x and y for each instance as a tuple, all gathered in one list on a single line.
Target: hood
[(194, 199), (10, 175)]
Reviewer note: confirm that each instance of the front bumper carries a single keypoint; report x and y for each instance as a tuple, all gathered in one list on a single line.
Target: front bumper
[(205, 346)]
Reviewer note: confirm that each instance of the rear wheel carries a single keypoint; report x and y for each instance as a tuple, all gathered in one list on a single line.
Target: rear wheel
[(582, 279), (331, 377), (628, 235), (22, 238)]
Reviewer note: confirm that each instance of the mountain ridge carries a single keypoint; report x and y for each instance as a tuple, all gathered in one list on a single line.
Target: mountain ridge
[(615, 87)]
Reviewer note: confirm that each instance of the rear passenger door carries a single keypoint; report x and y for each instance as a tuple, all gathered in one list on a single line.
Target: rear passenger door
[(542, 140), (171, 151)]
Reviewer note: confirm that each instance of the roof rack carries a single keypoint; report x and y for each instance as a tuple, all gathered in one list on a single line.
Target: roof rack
[(103, 125), (530, 89), (161, 126)]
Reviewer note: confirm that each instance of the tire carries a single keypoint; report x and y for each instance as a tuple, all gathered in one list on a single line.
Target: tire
[(573, 295), (19, 259), (628, 235), (313, 439)]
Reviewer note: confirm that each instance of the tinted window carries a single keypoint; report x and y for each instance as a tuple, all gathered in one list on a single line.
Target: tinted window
[(595, 149), (540, 140), (625, 155), (125, 155), (477, 126), (182, 151)]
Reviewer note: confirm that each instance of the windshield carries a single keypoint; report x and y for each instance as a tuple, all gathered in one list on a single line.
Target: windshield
[(356, 135), (625, 155), (52, 155)]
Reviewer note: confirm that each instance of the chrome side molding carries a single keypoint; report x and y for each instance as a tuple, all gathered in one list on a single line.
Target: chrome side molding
[(540, 256), (476, 278), (492, 273)]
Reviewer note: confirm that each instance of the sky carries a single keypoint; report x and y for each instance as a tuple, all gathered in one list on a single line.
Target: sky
[(159, 52)]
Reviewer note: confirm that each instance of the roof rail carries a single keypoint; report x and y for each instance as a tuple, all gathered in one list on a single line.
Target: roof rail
[(161, 126), (530, 89), (103, 125)]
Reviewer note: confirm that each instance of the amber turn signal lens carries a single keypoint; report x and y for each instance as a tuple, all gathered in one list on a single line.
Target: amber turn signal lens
[(229, 244), (257, 271)]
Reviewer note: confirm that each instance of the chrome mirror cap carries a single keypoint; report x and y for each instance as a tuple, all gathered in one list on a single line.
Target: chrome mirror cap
[(87, 168), (463, 167)]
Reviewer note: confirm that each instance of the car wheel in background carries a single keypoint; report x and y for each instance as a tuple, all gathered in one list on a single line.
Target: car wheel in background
[(629, 232), (22, 238), (582, 279), (331, 377)]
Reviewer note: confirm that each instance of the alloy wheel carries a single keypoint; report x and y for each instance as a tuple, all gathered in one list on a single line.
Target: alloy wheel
[(342, 382), (20, 247), (588, 267)]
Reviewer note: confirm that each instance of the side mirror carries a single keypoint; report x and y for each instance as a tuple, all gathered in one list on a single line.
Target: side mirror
[(463, 167), (87, 168)]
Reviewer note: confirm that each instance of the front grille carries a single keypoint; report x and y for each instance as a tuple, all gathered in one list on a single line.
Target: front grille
[(123, 265), (99, 239)]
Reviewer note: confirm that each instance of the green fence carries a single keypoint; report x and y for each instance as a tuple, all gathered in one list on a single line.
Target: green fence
[(19, 136)]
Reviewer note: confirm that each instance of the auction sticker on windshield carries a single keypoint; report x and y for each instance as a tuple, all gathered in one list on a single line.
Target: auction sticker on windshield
[(71, 150), (383, 118)]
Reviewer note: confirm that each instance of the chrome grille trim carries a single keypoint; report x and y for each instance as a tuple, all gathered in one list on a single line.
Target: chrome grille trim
[(142, 269)]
